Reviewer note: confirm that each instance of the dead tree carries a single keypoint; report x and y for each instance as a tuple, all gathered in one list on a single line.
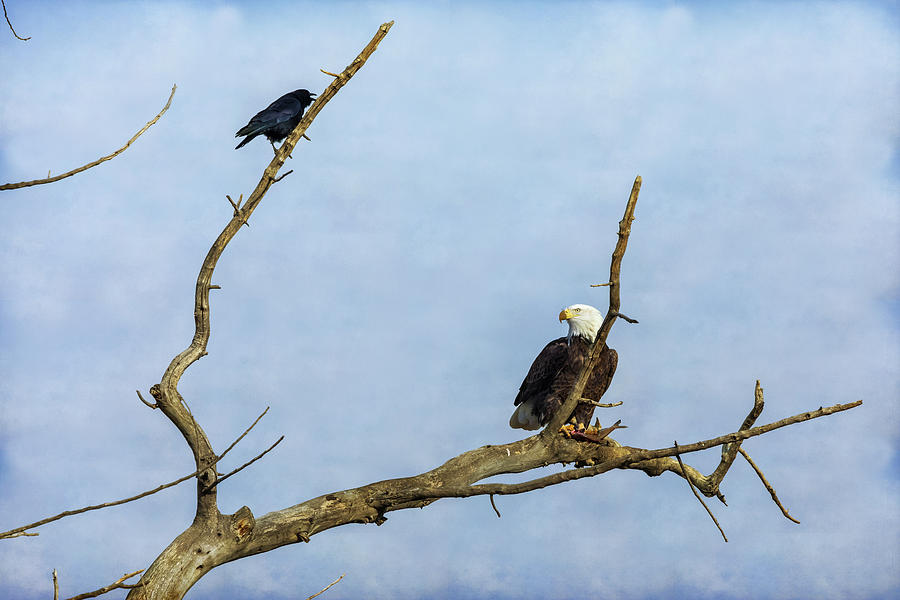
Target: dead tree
[(213, 538)]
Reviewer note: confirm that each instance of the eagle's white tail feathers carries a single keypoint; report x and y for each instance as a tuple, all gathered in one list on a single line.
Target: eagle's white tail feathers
[(524, 418)]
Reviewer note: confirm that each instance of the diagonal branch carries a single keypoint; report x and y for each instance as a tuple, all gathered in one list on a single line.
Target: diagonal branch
[(769, 487), (116, 585), (14, 186), (696, 495), (730, 451), (563, 413), (326, 588), (18, 531), (246, 464)]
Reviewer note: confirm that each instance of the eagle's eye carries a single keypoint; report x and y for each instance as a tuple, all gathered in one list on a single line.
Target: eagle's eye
[(577, 310)]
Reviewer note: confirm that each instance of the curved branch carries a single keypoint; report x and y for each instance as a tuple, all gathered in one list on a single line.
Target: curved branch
[(14, 186), (696, 495), (209, 524), (10, 24)]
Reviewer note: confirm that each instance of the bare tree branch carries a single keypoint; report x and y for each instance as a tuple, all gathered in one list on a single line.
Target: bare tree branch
[(603, 405), (246, 464), (150, 404), (729, 451), (769, 487), (209, 523), (494, 506), (696, 495), (564, 411), (169, 399), (18, 531), (14, 186), (456, 478), (55, 586), (325, 589), (11, 27), (116, 585)]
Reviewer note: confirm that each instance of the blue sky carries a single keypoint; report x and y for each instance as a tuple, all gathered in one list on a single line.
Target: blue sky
[(391, 293)]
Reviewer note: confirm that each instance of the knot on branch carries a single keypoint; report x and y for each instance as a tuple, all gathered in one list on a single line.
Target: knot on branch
[(242, 524), (156, 392)]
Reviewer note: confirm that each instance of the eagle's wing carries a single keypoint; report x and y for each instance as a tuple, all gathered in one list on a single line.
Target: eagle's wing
[(543, 370), (531, 400)]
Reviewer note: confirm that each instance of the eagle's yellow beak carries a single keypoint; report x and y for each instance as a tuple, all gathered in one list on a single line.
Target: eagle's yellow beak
[(565, 315)]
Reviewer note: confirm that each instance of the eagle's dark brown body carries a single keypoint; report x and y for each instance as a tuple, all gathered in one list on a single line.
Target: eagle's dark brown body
[(552, 376)]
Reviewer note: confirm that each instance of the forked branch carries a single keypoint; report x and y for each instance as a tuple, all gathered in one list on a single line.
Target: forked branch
[(23, 530)]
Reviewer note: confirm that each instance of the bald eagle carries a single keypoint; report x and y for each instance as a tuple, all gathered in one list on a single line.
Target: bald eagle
[(556, 368)]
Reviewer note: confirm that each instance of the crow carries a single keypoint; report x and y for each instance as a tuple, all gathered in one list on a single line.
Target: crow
[(278, 119)]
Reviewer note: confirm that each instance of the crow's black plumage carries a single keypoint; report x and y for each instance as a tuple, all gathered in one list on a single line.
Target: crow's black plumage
[(278, 119)]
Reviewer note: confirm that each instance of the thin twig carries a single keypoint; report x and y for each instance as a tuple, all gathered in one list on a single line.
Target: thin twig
[(494, 506), (240, 437), (17, 531), (769, 487), (626, 318), (21, 534), (150, 404), (325, 589), (329, 73), (14, 186), (242, 467), (601, 404), (691, 485), (601, 284), (116, 585), (282, 176), (55, 586), (10, 24)]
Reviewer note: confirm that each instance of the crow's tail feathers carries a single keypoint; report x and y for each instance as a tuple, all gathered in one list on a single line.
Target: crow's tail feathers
[(244, 141)]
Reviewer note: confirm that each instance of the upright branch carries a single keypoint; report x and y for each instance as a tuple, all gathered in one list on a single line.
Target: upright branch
[(615, 267), (48, 179)]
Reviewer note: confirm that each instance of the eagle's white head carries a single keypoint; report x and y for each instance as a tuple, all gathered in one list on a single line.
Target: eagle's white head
[(583, 321)]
